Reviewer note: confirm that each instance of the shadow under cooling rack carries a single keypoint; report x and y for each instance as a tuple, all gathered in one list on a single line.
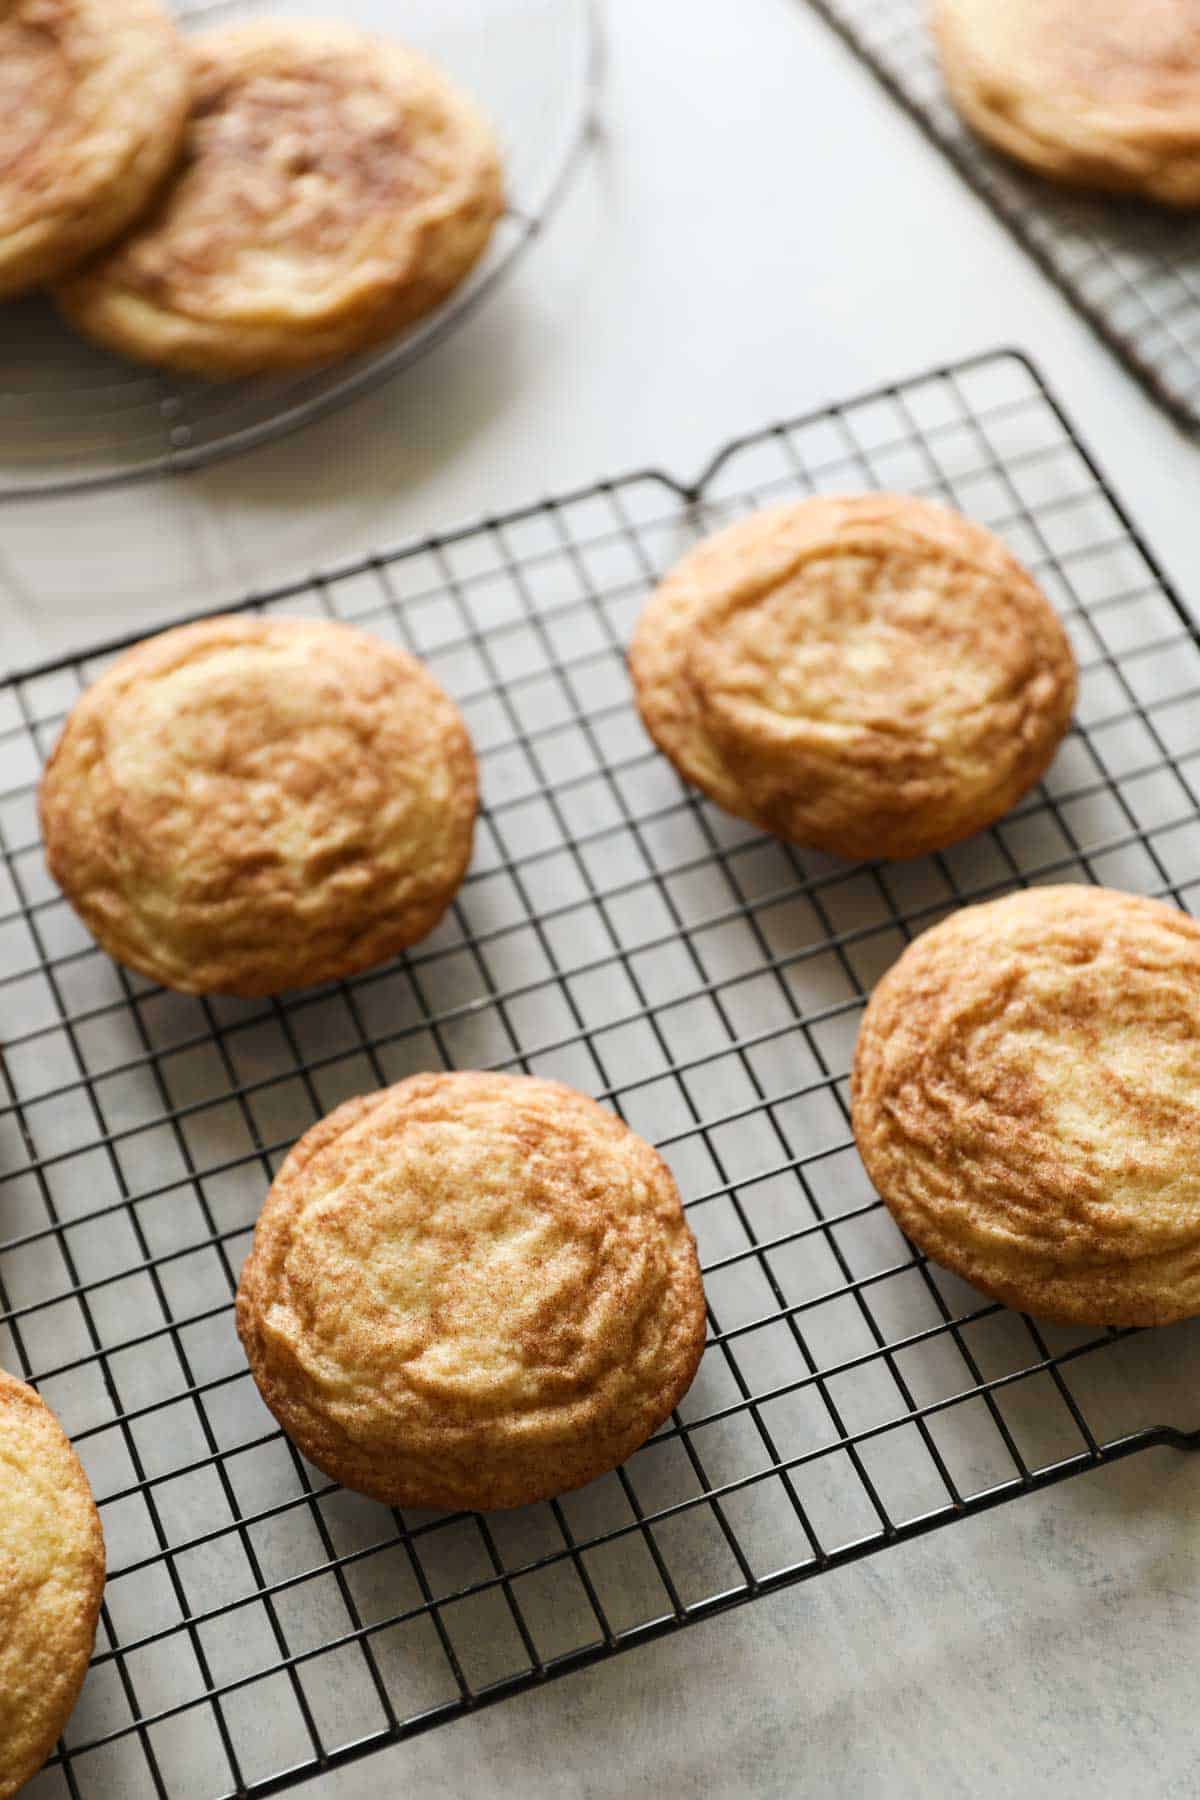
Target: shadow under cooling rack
[(1132, 270), (617, 932)]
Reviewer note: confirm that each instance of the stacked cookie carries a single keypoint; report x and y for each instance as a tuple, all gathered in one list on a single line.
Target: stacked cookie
[(260, 197), (1026, 1098)]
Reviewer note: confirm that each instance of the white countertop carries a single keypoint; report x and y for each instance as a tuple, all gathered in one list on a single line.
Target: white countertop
[(760, 230)]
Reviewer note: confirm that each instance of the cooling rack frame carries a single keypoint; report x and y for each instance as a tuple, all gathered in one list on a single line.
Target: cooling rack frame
[(557, 583)]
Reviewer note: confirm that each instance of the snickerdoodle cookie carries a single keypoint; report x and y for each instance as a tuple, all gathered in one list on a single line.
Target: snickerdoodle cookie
[(51, 1581), (1104, 94), (333, 189), (1027, 1101), (871, 675), (252, 804), (471, 1290), (93, 99)]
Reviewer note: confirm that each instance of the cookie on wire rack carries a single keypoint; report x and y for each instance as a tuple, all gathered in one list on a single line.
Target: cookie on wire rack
[(870, 675), (51, 1581), (1101, 95), (471, 1290), (1026, 1099), (252, 804)]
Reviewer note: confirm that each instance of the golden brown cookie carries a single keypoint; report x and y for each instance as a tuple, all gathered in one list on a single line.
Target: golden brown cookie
[(333, 190), (253, 804), (1026, 1097), (93, 100), (871, 675), (1096, 93), (471, 1291), (51, 1581)]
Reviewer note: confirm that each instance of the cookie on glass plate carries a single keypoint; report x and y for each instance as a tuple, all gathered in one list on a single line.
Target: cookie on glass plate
[(333, 189), (93, 100)]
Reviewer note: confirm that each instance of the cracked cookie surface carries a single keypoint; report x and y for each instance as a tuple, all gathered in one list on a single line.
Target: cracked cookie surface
[(51, 1581), (1104, 95), (1026, 1099), (93, 99), (471, 1290), (333, 189), (253, 804), (870, 675)]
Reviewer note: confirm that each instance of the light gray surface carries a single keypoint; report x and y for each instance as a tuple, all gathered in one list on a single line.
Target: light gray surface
[(760, 231), (1042, 1650)]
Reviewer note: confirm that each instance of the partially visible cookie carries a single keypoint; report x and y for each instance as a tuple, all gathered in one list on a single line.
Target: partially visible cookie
[(472, 1291), (871, 675), (334, 189), (93, 99), (1026, 1099), (1103, 95), (51, 1581), (252, 804)]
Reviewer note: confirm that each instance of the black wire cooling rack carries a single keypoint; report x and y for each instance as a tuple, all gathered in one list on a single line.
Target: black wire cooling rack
[(617, 932), (1132, 270)]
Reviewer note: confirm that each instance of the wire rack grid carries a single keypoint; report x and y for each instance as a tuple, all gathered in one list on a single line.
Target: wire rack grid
[(73, 417), (1132, 270), (619, 933)]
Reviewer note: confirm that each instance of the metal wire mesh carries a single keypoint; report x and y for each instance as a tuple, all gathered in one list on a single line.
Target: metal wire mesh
[(1132, 270), (619, 933), (73, 417)]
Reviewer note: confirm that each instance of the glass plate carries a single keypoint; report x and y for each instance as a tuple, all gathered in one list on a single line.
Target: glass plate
[(72, 416)]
